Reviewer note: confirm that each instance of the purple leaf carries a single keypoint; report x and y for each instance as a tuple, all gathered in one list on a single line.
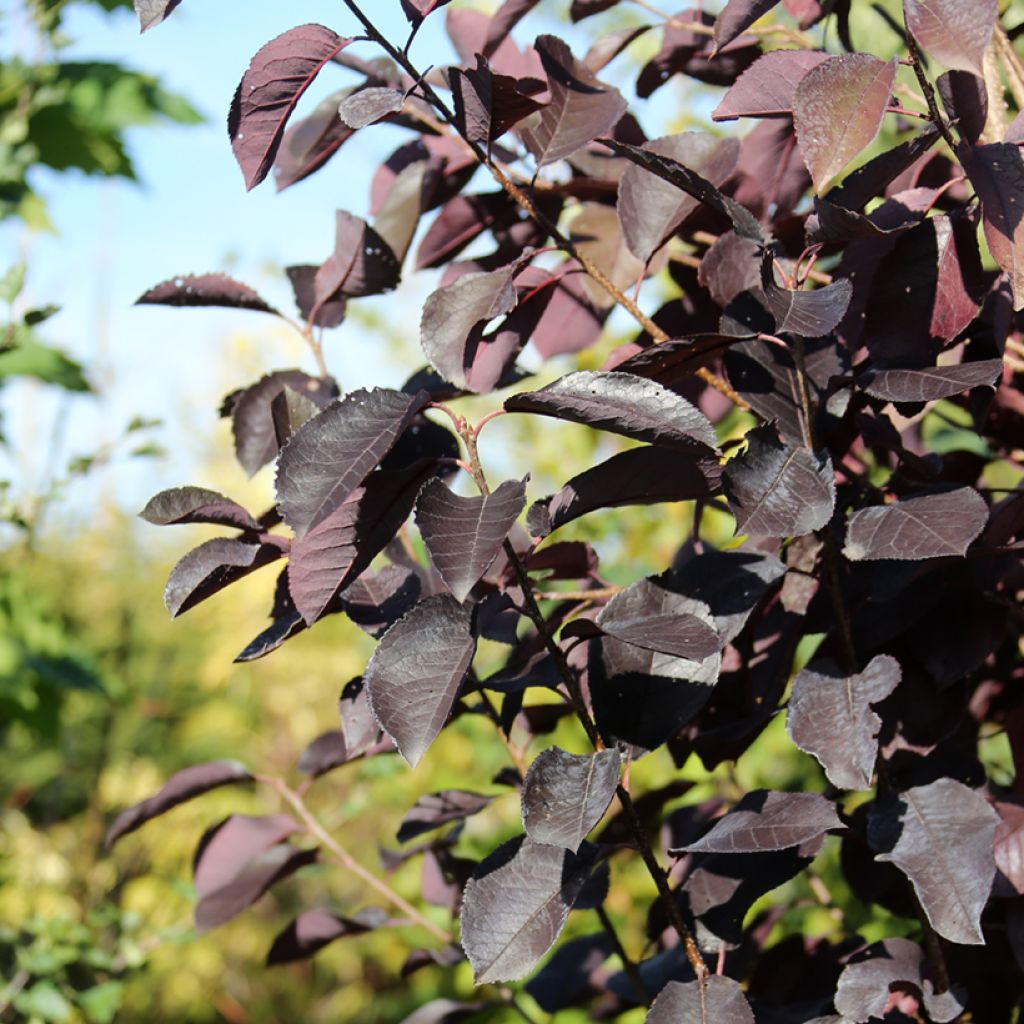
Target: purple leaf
[(650, 616), (965, 98), (309, 933), (417, 10), (569, 321), (269, 90), (651, 209), (183, 786), (955, 32), (211, 567), (565, 796), (196, 505), (765, 820), (360, 728), (152, 12), (459, 221), (932, 383), (308, 144), (737, 16), (205, 290), (508, 15), (866, 985), (838, 109), (606, 48), (641, 476), (415, 674), (830, 717), (929, 526), (622, 403), (779, 490), (810, 314), (330, 313), (437, 809), (940, 836), (464, 535), (376, 601), (580, 109), (713, 1000), (332, 553), (366, 106), (323, 754), (332, 454), (280, 630), (566, 976), (362, 262), (516, 905), (487, 104), (766, 88)]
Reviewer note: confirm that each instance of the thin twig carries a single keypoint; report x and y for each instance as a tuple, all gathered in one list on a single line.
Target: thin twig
[(929, 93)]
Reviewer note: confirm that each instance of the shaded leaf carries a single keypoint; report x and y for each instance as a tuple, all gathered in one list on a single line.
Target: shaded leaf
[(309, 933), (205, 290), (580, 108), (955, 32), (464, 535), (211, 567), (362, 262), (196, 505), (715, 1000), (766, 88), (516, 904), (269, 90), (838, 109), (182, 786), (280, 630), (830, 717), (487, 104), (777, 489), (323, 754), (810, 314), (332, 454), (929, 526), (565, 796), (940, 836), (508, 15), (309, 143), (566, 976), (437, 809), (152, 12), (375, 601), (622, 403), (737, 16), (930, 384), (965, 99), (329, 313), (415, 674)]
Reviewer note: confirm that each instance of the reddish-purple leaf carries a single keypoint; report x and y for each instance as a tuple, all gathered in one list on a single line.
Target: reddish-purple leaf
[(766, 88), (487, 104), (458, 222), (332, 454), (196, 505), (464, 535), (152, 12), (417, 10), (777, 489), (622, 403), (606, 48), (940, 836), (712, 1000), (580, 109), (416, 672), (737, 16), (309, 933), (326, 752), (932, 383), (180, 787), (830, 717), (516, 905), (673, 362), (205, 290), (651, 209), (211, 567), (565, 796), (929, 526), (376, 601), (269, 90), (331, 313), (642, 476), (955, 32), (597, 233), (508, 15), (965, 97), (838, 109), (570, 322), (362, 262), (810, 314), (437, 809), (765, 820), (366, 106), (308, 144)]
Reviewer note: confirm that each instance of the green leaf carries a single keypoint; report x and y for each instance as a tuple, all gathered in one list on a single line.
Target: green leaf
[(101, 1002), (30, 358), (12, 282), (44, 1001)]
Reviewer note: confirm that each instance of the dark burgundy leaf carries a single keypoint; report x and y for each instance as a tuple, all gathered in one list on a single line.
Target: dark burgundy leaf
[(282, 629), (437, 809), (929, 526), (565, 795), (464, 535), (415, 674), (376, 601), (357, 722), (332, 454), (252, 419), (641, 476), (810, 314), (606, 48), (459, 221), (940, 835), (508, 15), (830, 717), (277, 76), (965, 98), (324, 560), (580, 108), (933, 383), (322, 314), (566, 976), (737, 16), (622, 403), (308, 144), (205, 290), (651, 209), (325, 753), (365, 106), (196, 505), (743, 221), (516, 904), (779, 490), (766, 88), (288, 411), (182, 786), (867, 983), (650, 616), (362, 262), (416, 11), (765, 820), (581, 9), (838, 109), (672, 363), (713, 1000), (152, 12), (309, 933), (955, 32), (486, 104), (211, 567)]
